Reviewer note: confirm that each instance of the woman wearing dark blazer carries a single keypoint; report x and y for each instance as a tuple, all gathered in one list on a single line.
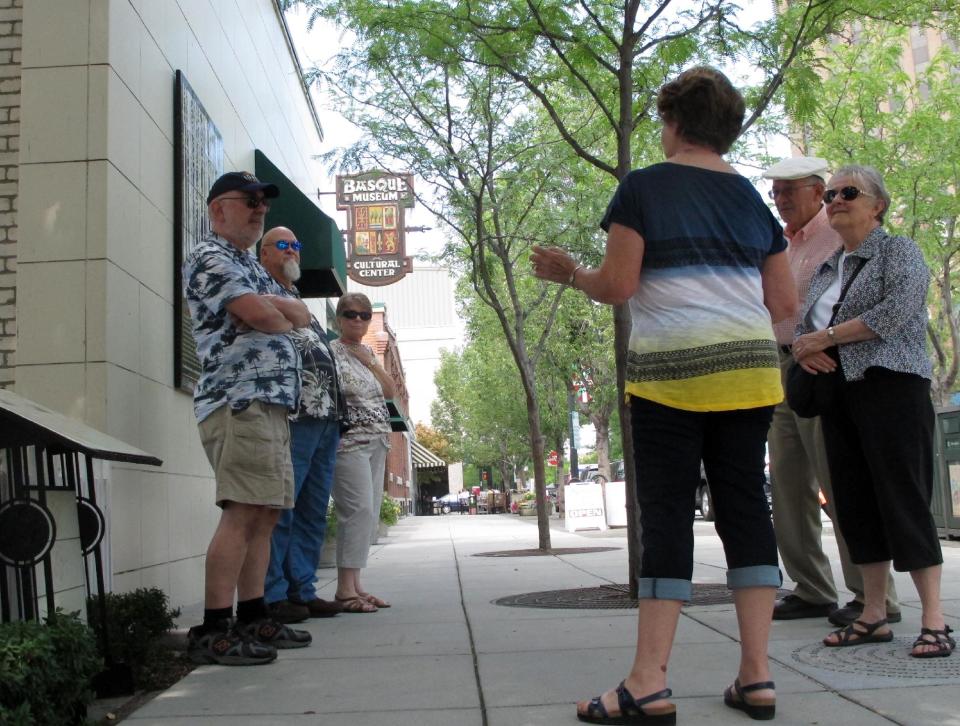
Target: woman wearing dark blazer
[(879, 433)]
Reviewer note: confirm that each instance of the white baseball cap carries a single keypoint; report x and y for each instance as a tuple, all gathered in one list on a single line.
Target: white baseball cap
[(798, 167)]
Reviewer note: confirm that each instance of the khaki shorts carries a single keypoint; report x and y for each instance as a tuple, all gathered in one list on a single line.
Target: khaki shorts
[(249, 451)]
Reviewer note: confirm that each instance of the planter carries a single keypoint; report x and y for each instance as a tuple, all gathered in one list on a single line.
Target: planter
[(328, 555)]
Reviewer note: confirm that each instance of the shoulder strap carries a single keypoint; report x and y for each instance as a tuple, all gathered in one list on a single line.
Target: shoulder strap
[(861, 261)]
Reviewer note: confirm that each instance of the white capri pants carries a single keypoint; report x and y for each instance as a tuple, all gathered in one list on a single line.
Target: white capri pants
[(357, 493)]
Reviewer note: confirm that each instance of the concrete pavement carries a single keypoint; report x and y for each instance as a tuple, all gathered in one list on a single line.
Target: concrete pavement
[(446, 654)]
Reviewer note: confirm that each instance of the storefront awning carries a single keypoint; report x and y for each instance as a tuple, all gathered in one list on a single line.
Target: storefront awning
[(323, 259), (423, 458)]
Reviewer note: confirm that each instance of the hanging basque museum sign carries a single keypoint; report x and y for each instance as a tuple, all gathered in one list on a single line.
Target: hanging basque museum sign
[(375, 201)]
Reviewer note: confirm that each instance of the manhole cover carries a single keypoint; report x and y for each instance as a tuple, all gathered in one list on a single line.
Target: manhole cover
[(541, 553), (891, 660), (609, 597)]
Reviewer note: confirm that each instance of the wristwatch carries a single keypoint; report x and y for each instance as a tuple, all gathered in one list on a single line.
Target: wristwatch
[(832, 333)]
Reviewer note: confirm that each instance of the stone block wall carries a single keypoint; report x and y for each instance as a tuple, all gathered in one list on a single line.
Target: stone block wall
[(11, 17)]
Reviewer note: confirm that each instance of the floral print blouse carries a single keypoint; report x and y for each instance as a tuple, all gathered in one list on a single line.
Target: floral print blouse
[(367, 416)]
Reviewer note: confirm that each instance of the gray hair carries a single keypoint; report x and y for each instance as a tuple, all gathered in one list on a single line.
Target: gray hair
[(871, 181), (354, 297)]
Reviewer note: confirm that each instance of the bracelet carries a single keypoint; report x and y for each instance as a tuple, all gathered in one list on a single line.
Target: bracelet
[(573, 275)]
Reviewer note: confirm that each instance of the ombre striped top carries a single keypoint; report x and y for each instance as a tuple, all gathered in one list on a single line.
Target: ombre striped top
[(701, 338)]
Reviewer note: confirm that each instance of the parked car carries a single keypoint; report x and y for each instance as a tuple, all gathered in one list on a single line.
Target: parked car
[(454, 502), (704, 500)]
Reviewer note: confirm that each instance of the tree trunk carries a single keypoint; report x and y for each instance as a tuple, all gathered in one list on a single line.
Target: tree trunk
[(621, 327), (601, 424)]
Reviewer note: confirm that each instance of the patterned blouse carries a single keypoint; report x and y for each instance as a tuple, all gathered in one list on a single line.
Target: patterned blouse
[(237, 365), (889, 296), (367, 414)]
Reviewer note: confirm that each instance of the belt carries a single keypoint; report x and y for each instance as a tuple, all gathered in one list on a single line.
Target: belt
[(786, 349)]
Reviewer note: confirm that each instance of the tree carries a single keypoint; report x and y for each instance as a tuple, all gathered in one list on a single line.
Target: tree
[(593, 68), (872, 112), (433, 440)]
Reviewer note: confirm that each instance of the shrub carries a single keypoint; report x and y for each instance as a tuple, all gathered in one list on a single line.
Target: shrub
[(331, 533), (389, 511), (135, 622), (46, 670)]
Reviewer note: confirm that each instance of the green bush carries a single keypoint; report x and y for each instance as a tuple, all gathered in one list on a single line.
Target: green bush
[(135, 622), (45, 671), (389, 511), (331, 533)]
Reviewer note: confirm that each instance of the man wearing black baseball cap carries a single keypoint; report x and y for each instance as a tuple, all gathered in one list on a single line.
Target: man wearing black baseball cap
[(249, 382), (241, 181)]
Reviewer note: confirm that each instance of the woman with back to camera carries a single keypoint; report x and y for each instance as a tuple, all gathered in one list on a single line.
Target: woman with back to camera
[(702, 377), (879, 433), (362, 455)]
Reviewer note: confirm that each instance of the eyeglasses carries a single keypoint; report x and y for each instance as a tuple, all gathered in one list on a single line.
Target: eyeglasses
[(847, 194), (354, 314), (287, 244), (787, 191), (252, 201)]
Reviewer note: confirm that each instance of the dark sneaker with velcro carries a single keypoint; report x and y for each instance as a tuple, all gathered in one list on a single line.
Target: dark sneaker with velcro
[(224, 646), (269, 632)]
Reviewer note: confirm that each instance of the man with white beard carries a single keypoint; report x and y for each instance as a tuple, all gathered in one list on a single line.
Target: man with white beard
[(289, 588)]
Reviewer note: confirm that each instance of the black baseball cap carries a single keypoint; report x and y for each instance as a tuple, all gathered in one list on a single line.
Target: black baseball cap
[(241, 181)]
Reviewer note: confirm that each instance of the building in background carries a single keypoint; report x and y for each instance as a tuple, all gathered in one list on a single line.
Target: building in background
[(88, 230)]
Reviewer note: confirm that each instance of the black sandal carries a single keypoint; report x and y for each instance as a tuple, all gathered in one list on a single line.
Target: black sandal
[(942, 641), (759, 710), (850, 636), (631, 709)]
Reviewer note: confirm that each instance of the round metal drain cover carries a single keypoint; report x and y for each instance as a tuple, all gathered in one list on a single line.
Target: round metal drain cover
[(542, 553), (609, 597), (891, 660)]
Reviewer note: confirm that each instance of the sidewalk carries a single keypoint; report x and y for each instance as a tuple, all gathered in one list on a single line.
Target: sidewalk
[(445, 655)]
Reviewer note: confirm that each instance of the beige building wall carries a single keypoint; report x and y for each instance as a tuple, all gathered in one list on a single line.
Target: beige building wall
[(94, 265)]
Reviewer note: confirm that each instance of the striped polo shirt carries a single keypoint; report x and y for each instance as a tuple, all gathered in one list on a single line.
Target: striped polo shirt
[(701, 338)]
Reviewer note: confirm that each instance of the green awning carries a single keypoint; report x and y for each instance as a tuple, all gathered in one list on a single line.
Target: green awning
[(323, 259), (398, 419)]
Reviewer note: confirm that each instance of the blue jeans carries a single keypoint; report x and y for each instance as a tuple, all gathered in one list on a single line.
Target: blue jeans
[(298, 537)]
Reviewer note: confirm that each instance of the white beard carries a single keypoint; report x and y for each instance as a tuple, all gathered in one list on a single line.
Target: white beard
[(291, 270)]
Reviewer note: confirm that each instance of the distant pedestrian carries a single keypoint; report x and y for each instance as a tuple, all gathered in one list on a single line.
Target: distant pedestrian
[(290, 589), (702, 376), (798, 460), (879, 432), (249, 380)]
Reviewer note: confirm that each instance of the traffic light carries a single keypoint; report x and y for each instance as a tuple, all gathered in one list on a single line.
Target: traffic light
[(485, 477)]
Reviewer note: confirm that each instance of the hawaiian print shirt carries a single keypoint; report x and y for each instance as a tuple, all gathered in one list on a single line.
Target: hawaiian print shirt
[(237, 365), (320, 393)]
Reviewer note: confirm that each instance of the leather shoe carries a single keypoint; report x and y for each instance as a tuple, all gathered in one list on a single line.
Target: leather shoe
[(844, 616), (322, 608), (284, 611), (793, 608)]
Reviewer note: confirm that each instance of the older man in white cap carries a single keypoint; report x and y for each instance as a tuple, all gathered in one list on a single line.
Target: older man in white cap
[(798, 462)]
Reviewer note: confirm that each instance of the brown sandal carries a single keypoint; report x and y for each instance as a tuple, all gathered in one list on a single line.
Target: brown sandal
[(850, 636), (374, 600), (942, 643), (356, 604)]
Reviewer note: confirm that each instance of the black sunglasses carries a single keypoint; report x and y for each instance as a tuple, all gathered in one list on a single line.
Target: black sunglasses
[(285, 244), (252, 201), (354, 314), (847, 194)]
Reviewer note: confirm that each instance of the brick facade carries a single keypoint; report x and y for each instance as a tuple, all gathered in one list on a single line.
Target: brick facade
[(383, 341), (11, 17)]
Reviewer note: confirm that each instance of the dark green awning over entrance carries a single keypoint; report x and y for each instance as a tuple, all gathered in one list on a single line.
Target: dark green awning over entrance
[(323, 259)]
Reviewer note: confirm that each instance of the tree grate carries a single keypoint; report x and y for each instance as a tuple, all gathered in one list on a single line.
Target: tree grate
[(890, 660), (610, 597), (547, 553)]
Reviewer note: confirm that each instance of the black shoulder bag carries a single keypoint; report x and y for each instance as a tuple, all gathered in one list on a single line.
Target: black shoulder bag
[(812, 395)]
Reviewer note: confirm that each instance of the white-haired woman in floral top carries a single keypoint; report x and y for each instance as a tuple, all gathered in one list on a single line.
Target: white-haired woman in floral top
[(362, 455), (879, 432)]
